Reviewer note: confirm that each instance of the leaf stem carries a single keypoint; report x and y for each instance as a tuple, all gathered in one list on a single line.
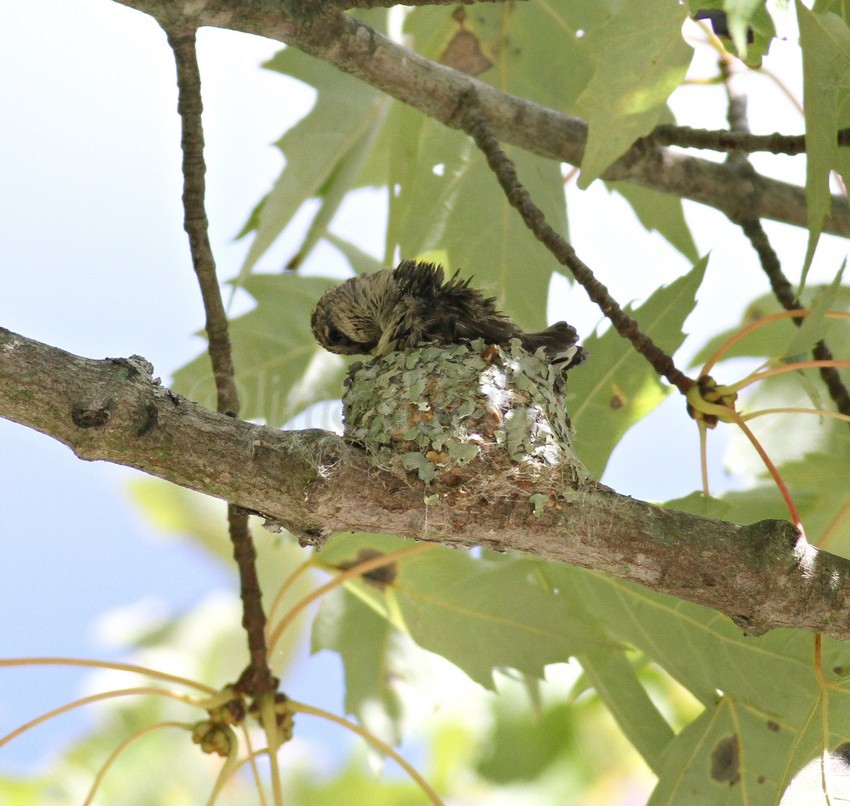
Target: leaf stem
[(299, 707), (771, 468), (356, 570), (113, 756), (100, 664)]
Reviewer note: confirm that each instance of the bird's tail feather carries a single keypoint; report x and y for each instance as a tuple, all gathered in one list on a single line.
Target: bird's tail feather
[(559, 343)]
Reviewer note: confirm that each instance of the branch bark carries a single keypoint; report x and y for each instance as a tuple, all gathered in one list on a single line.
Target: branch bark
[(435, 89), (257, 677), (312, 482)]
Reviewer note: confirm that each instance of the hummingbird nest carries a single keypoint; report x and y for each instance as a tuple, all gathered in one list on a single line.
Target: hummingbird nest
[(459, 413)]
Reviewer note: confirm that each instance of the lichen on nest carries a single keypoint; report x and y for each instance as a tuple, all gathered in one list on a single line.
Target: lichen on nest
[(445, 411)]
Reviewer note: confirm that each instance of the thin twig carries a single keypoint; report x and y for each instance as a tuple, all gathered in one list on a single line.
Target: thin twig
[(476, 126), (724, 140), (753, 229), (734, 79), (189, 107), (784, 293), (257, 678), (734, 141)]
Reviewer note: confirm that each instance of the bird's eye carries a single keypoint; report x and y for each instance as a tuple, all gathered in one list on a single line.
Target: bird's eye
[(335, 336)]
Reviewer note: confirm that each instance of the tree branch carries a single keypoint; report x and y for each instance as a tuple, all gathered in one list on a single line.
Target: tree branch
[(742, 142), (519, 198), (784, 293), (314, 483), (257, 677), (434, 89), (768, 257)]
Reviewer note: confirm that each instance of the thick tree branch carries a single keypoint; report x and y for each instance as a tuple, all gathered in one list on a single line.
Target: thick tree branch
[(435, 89), (312, 482)]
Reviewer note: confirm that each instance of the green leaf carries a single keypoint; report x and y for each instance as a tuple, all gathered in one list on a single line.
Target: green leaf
[(761, 689), (640, 58), (758, 745), (662, 213), (509, 261), (776, 339), (814, 326), (698, 504), (811, 454), (728, 755), (739, 506), (444, 195), (340, 183), (745, 19), (463, 211), (615, 681), (186, 515), (353, 785), (524, 744), (750, 17), (344, 547), (365, 642), (359, 260), (176, 510), (522, 41), (825, 41), (761, 671), (739, 13), (820, 486), (617, 386), (838, 7), (280, 369), (481, 614), (324, 151)]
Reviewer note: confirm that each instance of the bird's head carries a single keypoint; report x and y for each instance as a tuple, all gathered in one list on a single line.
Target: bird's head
[(356, 317)]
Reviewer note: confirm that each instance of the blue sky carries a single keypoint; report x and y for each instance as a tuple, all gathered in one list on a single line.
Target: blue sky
[(96, 262)]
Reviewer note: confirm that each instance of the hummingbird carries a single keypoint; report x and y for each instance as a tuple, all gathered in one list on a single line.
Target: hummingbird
[(414, 304)]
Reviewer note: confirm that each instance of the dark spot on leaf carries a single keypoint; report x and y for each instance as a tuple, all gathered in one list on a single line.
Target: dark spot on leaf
[(464, 53), (616, 402), (379, 577), (726, 761), (771, 725), (761, 779), (839, 670)]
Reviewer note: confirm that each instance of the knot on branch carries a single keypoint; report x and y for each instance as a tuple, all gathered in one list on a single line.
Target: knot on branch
[(94, 415)]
